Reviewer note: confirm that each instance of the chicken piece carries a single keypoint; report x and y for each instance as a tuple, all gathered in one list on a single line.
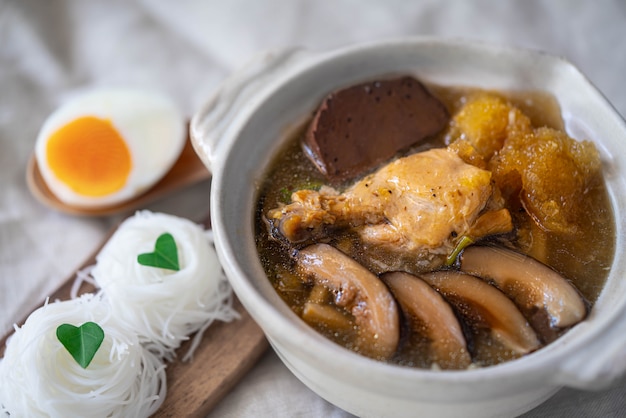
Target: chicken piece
[(422, 203)]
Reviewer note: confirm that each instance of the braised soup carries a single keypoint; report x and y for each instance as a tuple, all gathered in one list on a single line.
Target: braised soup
[(478, 244)]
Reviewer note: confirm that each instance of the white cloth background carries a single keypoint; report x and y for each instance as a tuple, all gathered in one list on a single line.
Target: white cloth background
[(49, 49)]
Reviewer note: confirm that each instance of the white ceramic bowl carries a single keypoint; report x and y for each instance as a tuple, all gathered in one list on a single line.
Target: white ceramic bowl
[(238, 131)]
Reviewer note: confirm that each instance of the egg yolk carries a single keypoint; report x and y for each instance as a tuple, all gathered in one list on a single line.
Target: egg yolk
[(90, 156)]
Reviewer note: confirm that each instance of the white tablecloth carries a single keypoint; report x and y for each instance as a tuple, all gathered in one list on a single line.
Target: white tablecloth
[(49, 49)]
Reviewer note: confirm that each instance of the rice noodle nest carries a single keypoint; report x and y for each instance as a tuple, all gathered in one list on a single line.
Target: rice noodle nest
[(163, 306), (39, 377)]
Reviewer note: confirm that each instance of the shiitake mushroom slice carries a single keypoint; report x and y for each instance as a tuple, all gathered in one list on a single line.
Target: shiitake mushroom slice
[(318, 310), (548, 300), (431, 320), (485, 308), (360, 292)]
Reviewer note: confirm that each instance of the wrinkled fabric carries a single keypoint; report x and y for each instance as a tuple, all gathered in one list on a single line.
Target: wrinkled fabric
[(51, 49)]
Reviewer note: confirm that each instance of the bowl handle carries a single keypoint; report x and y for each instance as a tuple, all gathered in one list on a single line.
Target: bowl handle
[(600, 364), (234, 99)]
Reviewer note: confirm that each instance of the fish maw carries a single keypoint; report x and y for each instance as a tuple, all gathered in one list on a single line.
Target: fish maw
[(361, 126)]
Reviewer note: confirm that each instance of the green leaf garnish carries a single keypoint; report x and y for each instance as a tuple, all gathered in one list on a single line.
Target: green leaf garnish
[(465, 241), (165, 254), (81, 342)]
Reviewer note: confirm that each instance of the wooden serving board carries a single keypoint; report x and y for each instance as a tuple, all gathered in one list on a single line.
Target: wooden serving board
[(227, 352)]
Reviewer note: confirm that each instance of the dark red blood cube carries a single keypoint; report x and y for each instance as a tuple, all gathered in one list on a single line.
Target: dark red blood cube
[(361, 126)]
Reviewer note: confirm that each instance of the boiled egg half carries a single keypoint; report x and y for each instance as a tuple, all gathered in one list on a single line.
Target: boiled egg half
[(107, 146)]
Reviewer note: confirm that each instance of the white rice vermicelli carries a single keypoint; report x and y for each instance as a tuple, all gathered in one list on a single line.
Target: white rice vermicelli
[(163, 306), (39, 377)]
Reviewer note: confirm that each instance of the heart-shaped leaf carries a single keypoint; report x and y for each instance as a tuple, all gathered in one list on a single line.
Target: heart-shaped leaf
[(165, 254), (81, 342)]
